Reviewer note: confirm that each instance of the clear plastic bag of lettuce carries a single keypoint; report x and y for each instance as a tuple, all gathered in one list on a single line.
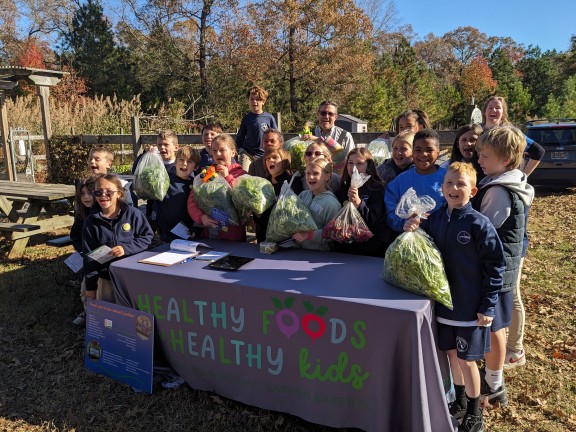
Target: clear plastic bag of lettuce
[(252, 194), (213, 195), (380, 149), (288, 216), (151, 179), (413, 262)]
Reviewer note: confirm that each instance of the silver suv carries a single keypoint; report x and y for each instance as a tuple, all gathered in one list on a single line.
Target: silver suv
[(558, 137)]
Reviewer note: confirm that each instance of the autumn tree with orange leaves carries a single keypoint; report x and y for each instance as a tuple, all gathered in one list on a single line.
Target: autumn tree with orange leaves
[(476, 79)]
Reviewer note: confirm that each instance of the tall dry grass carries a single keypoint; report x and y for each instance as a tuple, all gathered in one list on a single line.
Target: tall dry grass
[(99, 115), (85, 115)]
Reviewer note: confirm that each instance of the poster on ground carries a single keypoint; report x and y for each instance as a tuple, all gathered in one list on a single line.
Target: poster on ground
[(120, 343)]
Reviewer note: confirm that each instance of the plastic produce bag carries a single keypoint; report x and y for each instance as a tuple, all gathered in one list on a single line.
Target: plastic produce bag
[(252, 194), (414, 263), (297, 146), (151, 179), (348, 225), (380, 149), (213, 195), (288, 216), (412, 205)]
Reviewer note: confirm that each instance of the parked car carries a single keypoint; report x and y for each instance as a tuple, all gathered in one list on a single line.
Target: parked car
[(558, 137)]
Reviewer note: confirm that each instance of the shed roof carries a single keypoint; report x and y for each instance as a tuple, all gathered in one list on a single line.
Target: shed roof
[(352, 118)]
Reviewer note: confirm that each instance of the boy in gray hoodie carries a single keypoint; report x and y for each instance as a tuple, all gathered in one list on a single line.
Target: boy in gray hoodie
[(504, 197)]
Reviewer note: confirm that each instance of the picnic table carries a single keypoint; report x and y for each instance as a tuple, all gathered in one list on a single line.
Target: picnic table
[(29, 208)]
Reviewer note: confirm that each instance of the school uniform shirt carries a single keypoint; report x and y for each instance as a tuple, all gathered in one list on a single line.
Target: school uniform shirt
[(173, 208), (323, 207), (251, 131), (473, 259), (429, 184), (205, 161), (261, 221), (76, 233), (235, 232), (129, 230)]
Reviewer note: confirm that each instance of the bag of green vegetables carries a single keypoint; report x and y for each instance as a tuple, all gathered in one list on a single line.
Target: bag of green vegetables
[(297, 146), (413, 262), (213, 195), (288, 216), (151, 179), (252, 194)]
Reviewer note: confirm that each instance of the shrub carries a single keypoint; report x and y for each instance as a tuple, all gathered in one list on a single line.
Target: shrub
[(67, 159)]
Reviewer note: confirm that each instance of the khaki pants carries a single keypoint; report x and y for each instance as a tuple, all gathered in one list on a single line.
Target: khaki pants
[(245, 159), (105, 291), (515, 340)]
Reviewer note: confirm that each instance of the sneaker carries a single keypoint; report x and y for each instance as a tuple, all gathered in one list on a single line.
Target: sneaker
[(494, 397), (80, 320), (472, 423), (457, 411), (172, 381), (514, 359)]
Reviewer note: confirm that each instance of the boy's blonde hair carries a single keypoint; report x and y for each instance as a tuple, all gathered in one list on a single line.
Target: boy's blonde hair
[(227, 139), (324, 164), (189, 153), (406, 136), (101, 148), (507, 142), (259, 92), (167, 134), (465, 169)]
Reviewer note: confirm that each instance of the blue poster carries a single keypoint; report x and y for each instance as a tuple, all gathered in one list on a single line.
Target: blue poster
[(120, 343)]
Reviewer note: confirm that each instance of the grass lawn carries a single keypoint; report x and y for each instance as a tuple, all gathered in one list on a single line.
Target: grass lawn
[(44, 386)]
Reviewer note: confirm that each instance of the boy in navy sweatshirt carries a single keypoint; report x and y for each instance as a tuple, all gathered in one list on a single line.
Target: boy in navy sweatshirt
[(474, 262), (252, 128)]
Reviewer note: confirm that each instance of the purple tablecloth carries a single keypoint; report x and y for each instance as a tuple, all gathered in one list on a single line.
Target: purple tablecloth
[(313, 334)]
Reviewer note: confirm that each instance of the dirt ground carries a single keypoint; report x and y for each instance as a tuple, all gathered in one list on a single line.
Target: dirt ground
[(45, 387)]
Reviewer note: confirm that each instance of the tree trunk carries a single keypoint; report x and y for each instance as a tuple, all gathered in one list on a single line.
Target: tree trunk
[(206, 10), (291, 65)]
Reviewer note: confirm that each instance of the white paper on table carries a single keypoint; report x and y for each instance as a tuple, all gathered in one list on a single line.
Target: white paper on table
[(211, 256), (186, 245), (180, 251), (169, 258), (101, 254), (75, 262), (181, 231)]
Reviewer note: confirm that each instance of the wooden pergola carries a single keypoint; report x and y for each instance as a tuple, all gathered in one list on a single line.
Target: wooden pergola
[(43, 79)]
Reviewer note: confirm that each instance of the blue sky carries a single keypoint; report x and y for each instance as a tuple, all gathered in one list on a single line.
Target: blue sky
[(546, 23)]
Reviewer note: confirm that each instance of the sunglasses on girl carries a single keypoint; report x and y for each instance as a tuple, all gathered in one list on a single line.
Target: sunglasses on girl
[(316, 153), (105, 192)]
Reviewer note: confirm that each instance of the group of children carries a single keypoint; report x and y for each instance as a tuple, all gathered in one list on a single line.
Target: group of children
[(479, 222)]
